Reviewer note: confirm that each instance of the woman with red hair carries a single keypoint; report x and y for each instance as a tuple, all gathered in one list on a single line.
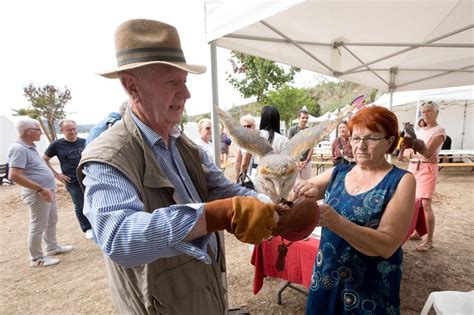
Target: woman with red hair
[(367, 211)]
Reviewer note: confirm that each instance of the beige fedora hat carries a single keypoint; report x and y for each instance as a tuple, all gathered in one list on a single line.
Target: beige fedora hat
[(142, 42)]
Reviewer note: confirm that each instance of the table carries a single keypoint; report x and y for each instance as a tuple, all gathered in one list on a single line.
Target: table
[(456, 158), (298, 263)]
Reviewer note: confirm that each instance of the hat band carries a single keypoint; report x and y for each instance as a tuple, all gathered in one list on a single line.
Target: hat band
[(149, 54)]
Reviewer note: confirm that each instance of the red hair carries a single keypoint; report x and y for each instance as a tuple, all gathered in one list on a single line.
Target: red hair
[(377, 118)]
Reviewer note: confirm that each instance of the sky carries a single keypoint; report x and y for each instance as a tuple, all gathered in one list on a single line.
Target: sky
[(65, 43)]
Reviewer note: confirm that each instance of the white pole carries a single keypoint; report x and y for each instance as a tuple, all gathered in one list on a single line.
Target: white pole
[(217, 160), (216, 131)]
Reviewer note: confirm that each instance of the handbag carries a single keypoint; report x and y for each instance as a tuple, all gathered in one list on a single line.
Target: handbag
[(245, 181)]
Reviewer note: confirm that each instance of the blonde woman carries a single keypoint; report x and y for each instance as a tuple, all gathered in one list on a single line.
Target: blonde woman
[(243, 158)]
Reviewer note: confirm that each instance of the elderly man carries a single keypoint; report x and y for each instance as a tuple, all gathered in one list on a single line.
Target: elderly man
[(68, 150), (304, 164), (148, 188), (31, 172)]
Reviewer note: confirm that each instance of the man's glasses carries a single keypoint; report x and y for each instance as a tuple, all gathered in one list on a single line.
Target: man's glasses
[(70, 129), (247, 126), (369, 141), (35, 129)]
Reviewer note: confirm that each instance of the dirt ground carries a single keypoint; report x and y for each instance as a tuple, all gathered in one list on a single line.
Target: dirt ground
[(78, 284)]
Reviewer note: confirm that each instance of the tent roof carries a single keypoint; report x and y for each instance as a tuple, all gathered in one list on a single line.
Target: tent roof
[(386, 44), (461, 93)]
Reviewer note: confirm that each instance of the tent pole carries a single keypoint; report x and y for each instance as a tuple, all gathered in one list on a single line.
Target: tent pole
[(217, 160), (464, 125)]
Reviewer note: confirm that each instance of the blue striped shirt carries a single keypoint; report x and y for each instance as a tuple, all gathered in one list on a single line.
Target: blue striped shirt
[(129, 235)]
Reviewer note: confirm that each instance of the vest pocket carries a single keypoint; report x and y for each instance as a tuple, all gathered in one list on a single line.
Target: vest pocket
[(191, 288)]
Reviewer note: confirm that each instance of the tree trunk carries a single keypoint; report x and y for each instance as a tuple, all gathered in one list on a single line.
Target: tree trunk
[(46, 133)]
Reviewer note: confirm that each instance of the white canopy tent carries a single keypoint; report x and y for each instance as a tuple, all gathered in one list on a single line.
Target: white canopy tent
[(386, 44), (456, 111)]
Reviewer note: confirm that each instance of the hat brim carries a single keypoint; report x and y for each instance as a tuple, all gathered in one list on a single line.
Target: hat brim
[(113, 74)]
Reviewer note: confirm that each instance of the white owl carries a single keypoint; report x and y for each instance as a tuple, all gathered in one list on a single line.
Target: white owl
[(277, 172)]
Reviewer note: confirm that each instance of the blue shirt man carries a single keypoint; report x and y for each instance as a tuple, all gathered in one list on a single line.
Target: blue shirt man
[(106, 123)]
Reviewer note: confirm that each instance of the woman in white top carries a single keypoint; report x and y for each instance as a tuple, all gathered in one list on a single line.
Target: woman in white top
[(270, 130), (204, 141), (424, 165)]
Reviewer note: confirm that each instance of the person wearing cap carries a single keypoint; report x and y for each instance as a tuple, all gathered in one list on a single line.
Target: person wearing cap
[(154, 199), (304, 165)]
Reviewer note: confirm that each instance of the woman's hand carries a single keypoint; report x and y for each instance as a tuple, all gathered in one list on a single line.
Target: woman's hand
[(306, 188), (328, 217)]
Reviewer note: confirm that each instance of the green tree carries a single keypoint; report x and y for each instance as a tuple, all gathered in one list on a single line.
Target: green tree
[(332, 95), (46, 105), (254, 76), (289, 100)]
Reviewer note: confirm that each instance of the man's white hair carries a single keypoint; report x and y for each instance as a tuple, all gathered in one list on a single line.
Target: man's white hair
[(24, 124)]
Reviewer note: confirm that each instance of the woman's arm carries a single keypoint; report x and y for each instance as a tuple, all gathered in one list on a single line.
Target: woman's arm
[(432, 146), (393, 227), (246, 157), (238, 162)]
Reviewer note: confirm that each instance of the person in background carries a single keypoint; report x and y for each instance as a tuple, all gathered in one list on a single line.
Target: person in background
[(153, 198), (304, 164), (243, 157), (107, 122), (270, 130), (424, 165), (225, 144), (341, 146), (29, 170), (421, 123), (366, 215), (204, 141), (68, 150)]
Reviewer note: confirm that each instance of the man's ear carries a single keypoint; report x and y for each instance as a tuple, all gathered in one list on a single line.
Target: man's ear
[(129, 83)]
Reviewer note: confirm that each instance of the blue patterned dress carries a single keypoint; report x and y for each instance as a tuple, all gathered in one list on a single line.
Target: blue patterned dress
[(344, 280)]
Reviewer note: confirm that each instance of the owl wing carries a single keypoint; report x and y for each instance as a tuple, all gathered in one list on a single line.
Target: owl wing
[(246, 138), (307, 138)]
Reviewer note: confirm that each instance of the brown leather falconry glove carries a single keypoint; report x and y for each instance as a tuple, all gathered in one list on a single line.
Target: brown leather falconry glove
[(416, 144), (249, 219), (298, 219)]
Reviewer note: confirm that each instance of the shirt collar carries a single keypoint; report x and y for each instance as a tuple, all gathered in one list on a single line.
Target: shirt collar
[(28, 146), (151, 136)]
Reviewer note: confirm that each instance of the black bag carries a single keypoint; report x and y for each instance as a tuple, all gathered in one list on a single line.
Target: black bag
[(244, 180)]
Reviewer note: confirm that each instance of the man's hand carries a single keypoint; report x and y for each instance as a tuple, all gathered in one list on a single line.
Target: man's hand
[(62, 178), (297, 220), (249, 219), (46, 195)]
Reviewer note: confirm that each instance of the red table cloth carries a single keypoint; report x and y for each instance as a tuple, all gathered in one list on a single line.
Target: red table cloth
[(299, 261)]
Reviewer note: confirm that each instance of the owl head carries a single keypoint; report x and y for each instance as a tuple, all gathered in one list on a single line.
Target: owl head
[(277, 172)]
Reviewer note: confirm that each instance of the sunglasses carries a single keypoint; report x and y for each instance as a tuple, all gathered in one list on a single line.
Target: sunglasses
[(208, 128), (247, 126)]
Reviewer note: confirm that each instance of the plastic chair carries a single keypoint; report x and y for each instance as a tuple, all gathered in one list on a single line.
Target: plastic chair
[(450, 302)]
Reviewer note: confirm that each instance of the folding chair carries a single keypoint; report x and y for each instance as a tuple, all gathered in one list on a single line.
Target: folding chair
[(450, 302), (4, 174)]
